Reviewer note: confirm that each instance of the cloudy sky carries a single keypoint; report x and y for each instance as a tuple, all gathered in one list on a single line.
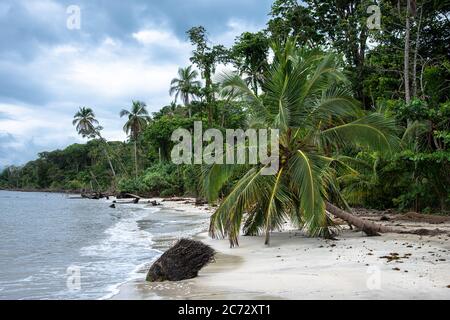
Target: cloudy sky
[(124, 50)]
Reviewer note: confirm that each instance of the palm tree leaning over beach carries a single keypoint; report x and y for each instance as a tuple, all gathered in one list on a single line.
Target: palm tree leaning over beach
[(88, 127), (138, 119), (185, 86), (305, 96)]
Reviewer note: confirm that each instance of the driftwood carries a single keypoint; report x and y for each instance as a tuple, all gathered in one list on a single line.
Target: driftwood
[(374, 229), (200, 202), (126, 195), (95, 195), (183, 261), (92, 196)]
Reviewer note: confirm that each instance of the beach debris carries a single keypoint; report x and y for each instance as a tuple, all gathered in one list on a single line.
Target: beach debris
[(183, 261), (113, 206), (200, 202), (396, 257), (385, 218), (154, 203)]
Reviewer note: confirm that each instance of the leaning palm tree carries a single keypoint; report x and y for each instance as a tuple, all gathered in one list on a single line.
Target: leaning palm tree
[(185, 86), (306, 98), (138, 119), (88, 127)]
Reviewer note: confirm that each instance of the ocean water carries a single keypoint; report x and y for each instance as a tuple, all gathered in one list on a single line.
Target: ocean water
[(55, 247)]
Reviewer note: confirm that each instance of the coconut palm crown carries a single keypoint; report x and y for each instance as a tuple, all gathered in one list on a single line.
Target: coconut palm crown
[(138, 117), (85, 122), (185, 86)]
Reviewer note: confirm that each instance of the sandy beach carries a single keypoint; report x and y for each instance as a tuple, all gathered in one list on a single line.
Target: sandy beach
[(354, 266)]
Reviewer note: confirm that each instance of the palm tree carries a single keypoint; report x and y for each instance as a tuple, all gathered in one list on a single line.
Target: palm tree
[(305, 97), (85, 122), (88, 127), (185, 86), (138, 118)]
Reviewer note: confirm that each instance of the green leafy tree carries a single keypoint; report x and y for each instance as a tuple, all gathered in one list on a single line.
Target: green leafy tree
[(207, 58), (249, 55), (157, 135), (341, 25), (289, 18)]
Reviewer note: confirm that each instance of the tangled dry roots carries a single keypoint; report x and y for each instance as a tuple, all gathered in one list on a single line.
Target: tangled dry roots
[(183, 261)]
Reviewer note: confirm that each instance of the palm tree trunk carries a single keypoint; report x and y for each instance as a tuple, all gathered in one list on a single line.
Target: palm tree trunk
[(135, 158), (105, 145), (267, 242), (209, 95), (110, 163), (368, 227), (188, 104)]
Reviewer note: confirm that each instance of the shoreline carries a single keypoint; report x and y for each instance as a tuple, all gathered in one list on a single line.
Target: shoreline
[(393, 266), (298, 267)]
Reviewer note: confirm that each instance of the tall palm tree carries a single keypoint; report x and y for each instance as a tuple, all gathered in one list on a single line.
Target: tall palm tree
[(138, 119), (185, 86), (88, 127), (305, 97)]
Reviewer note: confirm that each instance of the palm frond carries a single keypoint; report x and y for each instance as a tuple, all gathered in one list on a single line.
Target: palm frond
[(373, 131), (305, 181), (226, 221)]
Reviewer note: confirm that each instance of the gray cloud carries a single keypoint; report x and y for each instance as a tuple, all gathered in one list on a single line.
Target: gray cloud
[(48, 71)]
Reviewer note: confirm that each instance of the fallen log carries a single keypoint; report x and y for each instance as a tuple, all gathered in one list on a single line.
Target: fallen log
[(375, 229), (133, 196), (368, 227)]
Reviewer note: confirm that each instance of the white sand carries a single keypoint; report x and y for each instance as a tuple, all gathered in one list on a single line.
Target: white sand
[(298, 267)]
